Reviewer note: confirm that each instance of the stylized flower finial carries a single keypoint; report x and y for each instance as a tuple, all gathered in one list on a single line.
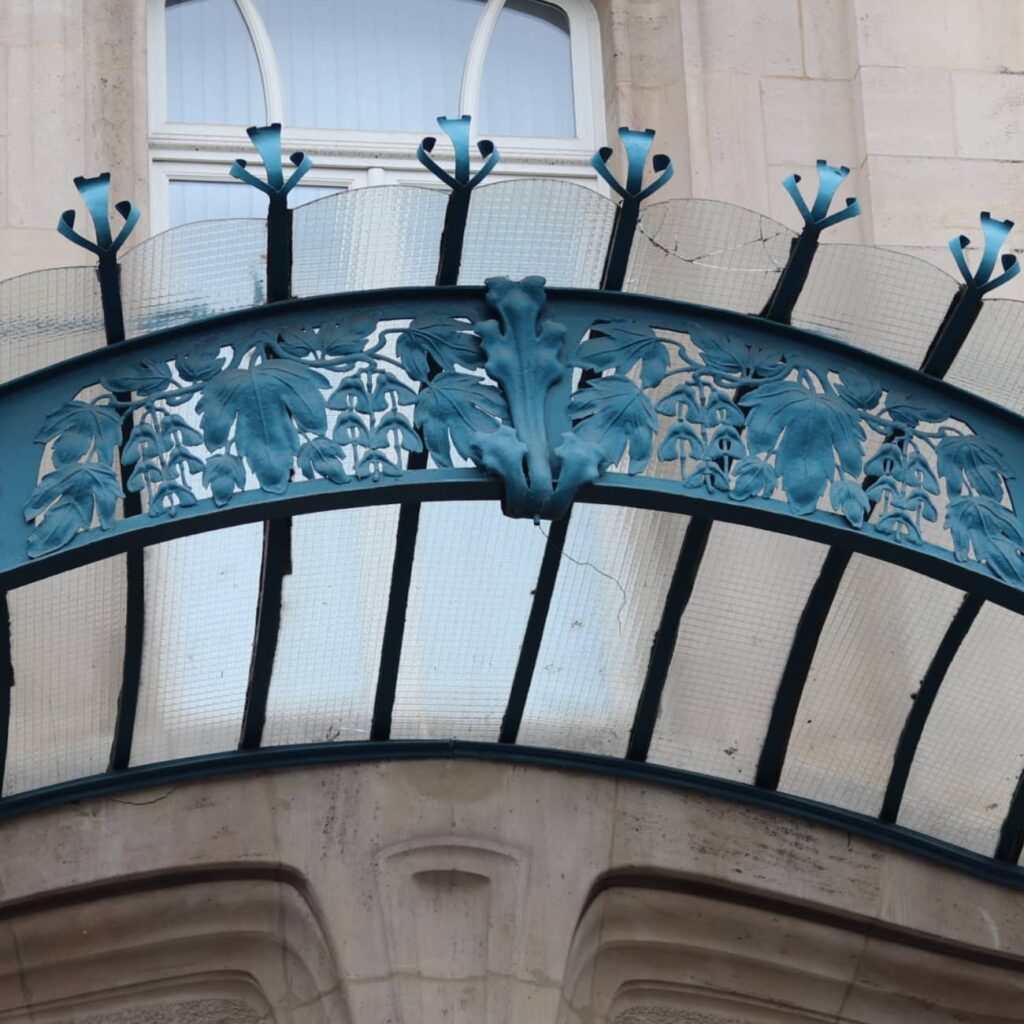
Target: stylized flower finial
[(267, 140), (96, 193), (995, 232), (637, 145), (457, 129), (829, 180)]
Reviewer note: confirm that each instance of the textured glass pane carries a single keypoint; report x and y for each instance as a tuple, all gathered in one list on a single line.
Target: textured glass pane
[(606, 607), (67, 649), (219, 200), (527, 81), (383, 237), (876, 645), (471, 594), (884, 301), (389, 65), (332, 623), (212, 75), (972, 751), (201, 595), (991, 362), (48, 316), (553, 228), (193, 272), (700, 250), (732, 647)]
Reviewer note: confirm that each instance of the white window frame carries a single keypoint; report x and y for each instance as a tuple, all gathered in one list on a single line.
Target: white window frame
[(356, 158)]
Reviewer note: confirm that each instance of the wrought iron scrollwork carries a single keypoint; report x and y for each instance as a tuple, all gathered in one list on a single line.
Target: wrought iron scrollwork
[(345, 399)]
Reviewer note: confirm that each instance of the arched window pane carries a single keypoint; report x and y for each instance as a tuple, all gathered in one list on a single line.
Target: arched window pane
[(212, 75), (389, 65), (527, 83)]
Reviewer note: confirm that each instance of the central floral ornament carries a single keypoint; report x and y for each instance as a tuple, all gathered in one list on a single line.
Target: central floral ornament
[(544, 409)]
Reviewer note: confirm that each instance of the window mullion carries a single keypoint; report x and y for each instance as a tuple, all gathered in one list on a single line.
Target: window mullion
[(266, 60), (473, 70)]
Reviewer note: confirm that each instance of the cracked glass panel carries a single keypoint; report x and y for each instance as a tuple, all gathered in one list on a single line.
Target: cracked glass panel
[(196, 652), (876, 645), (332, 621), (877, 299), (48, 316), (67, 650), (608, 598), (385, 237), (557, 229), (701, 250), (971, 752), (192, 272), (470, 596), (732, 647)]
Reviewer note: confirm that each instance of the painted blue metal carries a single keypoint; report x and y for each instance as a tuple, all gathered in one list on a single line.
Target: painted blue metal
[(461, 183), (276, 558), (754, 407), (637, 145), (96, 193), (267, 140), (816, 220), (947, 343), (428, 346)]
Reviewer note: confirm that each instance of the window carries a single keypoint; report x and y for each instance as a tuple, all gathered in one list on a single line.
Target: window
[(357, 84)]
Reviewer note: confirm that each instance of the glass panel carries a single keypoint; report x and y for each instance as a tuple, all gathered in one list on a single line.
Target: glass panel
[(972, 750), (212, 74), (193, 272), (201, 595), (390, 65), (884, 301), (382, 237), (553, 228), (67, 649), (471, 594), (218, 200), (878, 641), (332, 622), (48, 316), (527, 80), (991, 362), (732, 647), (699, 250), (608, 600)]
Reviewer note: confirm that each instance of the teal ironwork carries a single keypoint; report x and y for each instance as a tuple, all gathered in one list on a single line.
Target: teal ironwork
[(461, 183), (637, 145), (751, 415), (267, 140), (96, 193), (816, 220)]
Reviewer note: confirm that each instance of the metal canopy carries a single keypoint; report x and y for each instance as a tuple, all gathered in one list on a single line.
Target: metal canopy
[(516, 471)]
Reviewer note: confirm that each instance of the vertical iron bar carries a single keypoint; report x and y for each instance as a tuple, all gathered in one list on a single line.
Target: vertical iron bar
[(449, 262), (948, 340), (277, 533), (637, 145), (96, 193), (778, 309), (906, 748), (691, 553)]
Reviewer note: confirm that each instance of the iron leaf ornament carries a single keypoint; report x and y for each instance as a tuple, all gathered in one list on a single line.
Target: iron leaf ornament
[(348, 400)]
